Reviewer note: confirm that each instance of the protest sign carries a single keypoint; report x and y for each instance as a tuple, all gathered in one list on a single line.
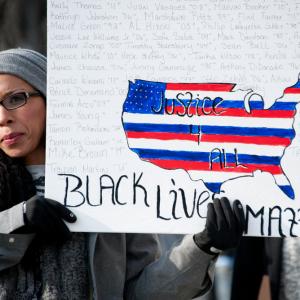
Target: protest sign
[(155, 108)]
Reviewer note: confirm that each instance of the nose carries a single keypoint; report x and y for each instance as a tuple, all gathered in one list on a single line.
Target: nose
[(6, 116)]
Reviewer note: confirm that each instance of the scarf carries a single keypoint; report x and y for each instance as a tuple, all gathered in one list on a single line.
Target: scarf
[(47, 270)]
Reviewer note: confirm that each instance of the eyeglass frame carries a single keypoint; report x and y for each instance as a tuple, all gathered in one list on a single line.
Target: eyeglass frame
[(27, 96)]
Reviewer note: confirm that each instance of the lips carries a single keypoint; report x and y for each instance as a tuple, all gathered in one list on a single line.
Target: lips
[(11, 138)]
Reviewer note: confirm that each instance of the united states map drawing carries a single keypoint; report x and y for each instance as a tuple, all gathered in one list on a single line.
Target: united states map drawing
[(211, 130)]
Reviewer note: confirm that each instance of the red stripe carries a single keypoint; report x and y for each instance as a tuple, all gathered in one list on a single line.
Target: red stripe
[(205, 166), (233, 112), (292, 90), (219, 87), (212, 138), (256, 140), (162, 136)]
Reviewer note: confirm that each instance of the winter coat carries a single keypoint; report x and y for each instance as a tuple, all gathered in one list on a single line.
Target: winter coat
[(122, 266)]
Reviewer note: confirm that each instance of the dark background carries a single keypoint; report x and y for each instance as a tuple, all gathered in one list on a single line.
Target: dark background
[(23, 23)]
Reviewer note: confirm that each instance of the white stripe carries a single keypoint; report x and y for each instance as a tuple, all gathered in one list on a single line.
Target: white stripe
[(289, 98), (185, 94), (177, 145), (212, 176), (247, 122), (237, 95), (207, 120), (281, 179)]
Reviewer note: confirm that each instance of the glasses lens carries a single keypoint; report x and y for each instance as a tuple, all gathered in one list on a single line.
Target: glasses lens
[(14, 101)]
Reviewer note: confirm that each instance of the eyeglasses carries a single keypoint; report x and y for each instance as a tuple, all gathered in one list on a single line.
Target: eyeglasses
[(17, 99)]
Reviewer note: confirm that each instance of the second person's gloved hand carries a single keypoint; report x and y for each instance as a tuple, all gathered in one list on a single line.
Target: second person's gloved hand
[(224, 226), (45, 217)]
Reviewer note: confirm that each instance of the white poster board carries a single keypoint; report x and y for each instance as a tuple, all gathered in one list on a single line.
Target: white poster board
[(154, 107)]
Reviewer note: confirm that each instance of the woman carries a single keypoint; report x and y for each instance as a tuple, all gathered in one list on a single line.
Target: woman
[(278, 258), (41, 259)]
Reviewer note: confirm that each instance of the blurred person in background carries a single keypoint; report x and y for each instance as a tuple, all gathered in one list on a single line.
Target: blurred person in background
[(23, 24)]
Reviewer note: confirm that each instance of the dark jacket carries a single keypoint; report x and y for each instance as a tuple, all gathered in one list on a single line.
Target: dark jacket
[(122, 266), (255, 257)]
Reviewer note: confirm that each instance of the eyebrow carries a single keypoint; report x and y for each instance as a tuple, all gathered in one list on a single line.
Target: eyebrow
[(8, 93), (11, 92), (2, 97)]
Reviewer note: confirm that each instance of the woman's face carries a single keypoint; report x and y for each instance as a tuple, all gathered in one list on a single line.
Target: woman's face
[(22, 129)]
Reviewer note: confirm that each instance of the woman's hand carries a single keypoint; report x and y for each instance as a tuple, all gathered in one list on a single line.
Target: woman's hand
[(45, 217)]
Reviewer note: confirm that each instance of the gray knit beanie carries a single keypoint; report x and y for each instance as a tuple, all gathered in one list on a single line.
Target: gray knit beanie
[(28, 65)]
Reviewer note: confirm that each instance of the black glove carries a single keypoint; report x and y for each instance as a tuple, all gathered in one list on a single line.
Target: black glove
[(45, 217), (224, 226)]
